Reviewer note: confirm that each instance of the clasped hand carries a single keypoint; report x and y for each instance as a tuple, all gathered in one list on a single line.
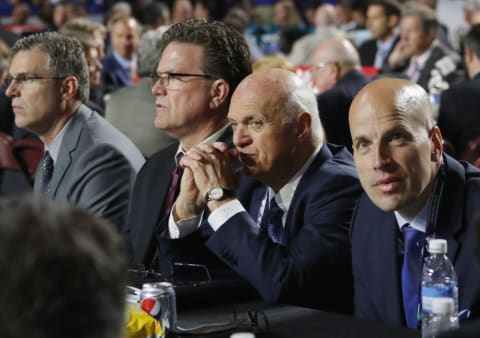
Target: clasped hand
[(205, 166)]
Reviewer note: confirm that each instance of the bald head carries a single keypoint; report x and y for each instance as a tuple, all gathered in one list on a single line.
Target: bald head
[(332, 59), (286, 93), (276, 125), (396, 146), (325, 16), (396, 95)]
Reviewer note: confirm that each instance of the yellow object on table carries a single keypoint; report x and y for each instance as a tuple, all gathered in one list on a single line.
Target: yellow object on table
[(141, 325)]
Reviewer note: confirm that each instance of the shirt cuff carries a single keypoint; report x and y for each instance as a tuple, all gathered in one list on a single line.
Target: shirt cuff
[(222, 214), (183, 227)]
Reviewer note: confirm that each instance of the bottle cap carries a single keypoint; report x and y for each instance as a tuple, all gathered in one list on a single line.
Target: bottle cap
[(437, 246), (443, 306), (242, 335)]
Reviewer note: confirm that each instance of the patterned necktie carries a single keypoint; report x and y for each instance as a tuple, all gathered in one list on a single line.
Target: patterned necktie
[(47, 172), (274, 225), (174, 185), (411, 273)]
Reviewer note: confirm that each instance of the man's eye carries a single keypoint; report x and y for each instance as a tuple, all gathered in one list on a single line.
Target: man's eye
[(256, 123)]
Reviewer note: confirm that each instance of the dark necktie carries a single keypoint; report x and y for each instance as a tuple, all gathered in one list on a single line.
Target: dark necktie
[(273, 225), (47, 172), (174, 185), (411, 273)]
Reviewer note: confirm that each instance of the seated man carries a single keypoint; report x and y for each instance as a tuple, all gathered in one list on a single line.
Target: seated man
[(286, 232), (87, 161), (337, 77), (411, 186), (63, 272)]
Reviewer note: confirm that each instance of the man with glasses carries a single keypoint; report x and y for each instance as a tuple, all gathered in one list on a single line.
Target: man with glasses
[(337, 77), (87, 161), (200, 65)]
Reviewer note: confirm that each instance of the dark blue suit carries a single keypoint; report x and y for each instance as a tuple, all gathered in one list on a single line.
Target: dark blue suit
[(114, 75), (334, 105), (313, 268), (376, 247)]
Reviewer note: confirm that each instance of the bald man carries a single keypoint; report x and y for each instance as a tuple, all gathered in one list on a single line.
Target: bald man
[(411, 187), (337, 78), (285, 229)]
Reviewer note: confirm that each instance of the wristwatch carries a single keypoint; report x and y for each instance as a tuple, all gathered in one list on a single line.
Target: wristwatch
[(218, 194)]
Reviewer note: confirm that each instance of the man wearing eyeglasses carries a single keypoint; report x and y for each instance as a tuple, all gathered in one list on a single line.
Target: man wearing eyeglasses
[(87, 161), (200, 65), (337, 78)]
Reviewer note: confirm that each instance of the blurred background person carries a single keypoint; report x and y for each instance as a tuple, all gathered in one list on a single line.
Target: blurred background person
[(132, 109)]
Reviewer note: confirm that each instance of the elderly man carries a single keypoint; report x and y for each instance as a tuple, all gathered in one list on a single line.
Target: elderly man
[(201, 63), (87, 161), (412, 192), (286, 232), (63, 272), (337, 77)]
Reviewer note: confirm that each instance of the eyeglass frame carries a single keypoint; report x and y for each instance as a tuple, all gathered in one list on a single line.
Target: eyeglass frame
[(23, 78), (155, 77)]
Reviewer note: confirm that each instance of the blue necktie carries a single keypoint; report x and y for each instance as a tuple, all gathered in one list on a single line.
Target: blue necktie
[(275, 225), (47, 172), (411, 273)]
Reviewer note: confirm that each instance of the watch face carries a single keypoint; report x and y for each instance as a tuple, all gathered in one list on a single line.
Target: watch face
[(216, 193)]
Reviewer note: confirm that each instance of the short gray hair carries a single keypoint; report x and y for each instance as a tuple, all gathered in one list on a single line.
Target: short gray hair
[(65, 57)]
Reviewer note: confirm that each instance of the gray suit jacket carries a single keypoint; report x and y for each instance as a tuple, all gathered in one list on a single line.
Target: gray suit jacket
[(95, 168), (132, 110)]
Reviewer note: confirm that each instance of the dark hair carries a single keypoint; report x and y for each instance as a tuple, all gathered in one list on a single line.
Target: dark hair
[(471, 40), (390, 7), (66, 57), (225, 52), (63, 272)]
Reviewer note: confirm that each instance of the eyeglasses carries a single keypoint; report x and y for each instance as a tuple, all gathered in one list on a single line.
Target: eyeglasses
[(26, 79), (165, 79)]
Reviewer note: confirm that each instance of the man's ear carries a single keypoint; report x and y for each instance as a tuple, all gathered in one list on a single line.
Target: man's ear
[(69, 87), (437, 144), (304, 126), (219, 93)]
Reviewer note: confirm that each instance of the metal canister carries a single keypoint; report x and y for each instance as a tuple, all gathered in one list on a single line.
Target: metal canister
[(158, 299)]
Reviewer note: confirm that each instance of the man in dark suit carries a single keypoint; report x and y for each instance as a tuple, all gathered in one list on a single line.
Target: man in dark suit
[(410, 186), (200, 65), (286, 232), (419, 55), (383, 17), (119, 66), (458, 117), (337, 77), (87, 161)]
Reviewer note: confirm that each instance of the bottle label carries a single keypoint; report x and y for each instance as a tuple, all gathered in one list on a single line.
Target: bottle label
[(429, 293)]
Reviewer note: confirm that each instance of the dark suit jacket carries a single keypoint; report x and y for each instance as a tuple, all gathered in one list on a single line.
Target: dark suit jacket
[(114, 76), (377, 257), (334, 104), (440, 54), (95, 168), (459, 117), (313, 268), (368, 51), (146, 210)]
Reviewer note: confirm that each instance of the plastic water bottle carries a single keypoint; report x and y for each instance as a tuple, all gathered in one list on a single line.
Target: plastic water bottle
[(439, 280), (443, 317)]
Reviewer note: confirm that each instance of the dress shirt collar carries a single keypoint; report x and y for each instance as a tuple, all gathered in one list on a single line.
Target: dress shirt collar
[(383, 47), (421, 59), (212, 138), (285, 196), (125, 63), (419, 222), (54, 147)]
